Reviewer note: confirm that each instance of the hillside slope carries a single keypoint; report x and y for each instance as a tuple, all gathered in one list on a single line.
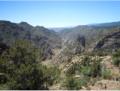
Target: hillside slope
[(40, 36), (92, 33)]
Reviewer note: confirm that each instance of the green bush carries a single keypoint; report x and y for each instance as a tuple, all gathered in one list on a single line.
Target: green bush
[(3, 78), (51, 75), (72, 83), (88, 67), (27, 77), (106, 74), (86, 70), (20, 64), (116, 58)]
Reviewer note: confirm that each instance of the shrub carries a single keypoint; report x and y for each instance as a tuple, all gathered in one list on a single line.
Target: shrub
[(106, 74), (19, 63), (91, 67), (96, 68), (88, 67), (86, 70), (72, 83), (51, 75), (116, 58), (101, 53), (27, 77), (3, 78)]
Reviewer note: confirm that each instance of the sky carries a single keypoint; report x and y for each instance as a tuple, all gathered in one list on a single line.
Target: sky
[(60, 13)]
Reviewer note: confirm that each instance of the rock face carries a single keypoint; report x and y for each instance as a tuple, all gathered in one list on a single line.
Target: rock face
[(87, 38), (109, 43), (72, 44)]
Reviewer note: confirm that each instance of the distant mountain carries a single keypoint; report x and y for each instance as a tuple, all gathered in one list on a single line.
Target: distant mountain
[(59, 29), (40, 36), (110, 24), (87, 38), (70, 41), (92, 33)]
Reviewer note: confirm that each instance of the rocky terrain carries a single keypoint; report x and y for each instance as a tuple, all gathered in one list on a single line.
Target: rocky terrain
[(84, 57), (89, 38), (93, 40), (109, 42)]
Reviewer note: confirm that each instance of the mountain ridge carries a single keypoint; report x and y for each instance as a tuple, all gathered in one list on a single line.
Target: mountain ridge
[(40, 36)]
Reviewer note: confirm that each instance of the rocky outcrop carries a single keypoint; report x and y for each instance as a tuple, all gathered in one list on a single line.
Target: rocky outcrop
[(92, 33), (109, 43), (73, 44)]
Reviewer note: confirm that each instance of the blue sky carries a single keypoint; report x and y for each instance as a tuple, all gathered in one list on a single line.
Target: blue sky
[(60, 13)]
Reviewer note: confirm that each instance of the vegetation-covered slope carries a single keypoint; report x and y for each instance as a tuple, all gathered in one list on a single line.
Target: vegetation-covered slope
[(40, 36), (79, 61)]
